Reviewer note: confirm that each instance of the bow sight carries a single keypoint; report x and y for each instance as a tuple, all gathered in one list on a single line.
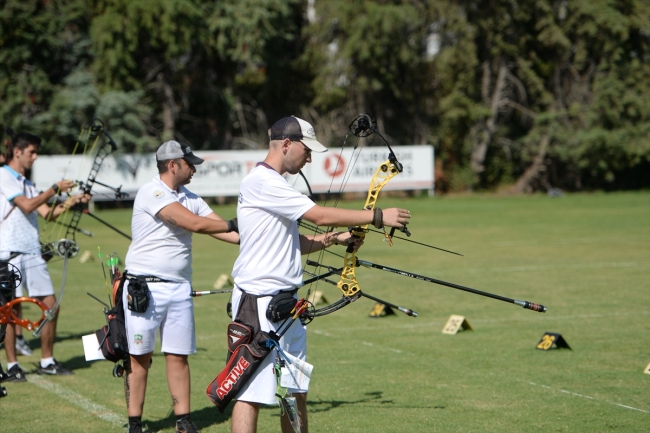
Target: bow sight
[(363, 125)]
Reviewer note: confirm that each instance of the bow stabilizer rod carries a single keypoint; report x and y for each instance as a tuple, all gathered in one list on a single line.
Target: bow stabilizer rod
[(525, 304), (110, 226)]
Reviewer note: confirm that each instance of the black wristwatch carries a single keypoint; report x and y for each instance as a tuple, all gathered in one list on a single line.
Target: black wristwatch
[(55, 187)]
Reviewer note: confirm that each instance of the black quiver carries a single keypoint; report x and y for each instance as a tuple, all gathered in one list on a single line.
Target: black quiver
[(112, 336)]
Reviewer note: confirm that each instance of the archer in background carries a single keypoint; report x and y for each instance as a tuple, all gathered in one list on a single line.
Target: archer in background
[(158, 286), (269, 258), (20, 203)]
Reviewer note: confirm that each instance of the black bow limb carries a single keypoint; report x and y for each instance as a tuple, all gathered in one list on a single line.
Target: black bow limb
[(345, 300)]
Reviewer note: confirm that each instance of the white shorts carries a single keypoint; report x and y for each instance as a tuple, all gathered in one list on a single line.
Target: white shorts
[(262, 386), (36, 280), (171, 310)]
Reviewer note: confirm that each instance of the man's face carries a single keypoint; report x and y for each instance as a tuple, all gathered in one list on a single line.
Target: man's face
[(25, 158), (184, 171), (298, 156)]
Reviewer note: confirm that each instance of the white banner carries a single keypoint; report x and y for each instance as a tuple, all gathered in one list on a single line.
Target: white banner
[(223, 171)]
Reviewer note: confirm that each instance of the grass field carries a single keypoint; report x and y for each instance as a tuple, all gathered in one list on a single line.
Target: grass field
[(586, 257)]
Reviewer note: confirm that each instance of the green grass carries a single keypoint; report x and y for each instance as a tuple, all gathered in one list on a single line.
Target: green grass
[(585, 257)]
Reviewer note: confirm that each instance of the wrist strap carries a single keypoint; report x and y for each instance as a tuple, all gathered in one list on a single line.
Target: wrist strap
[(55, 187), (378, 218)]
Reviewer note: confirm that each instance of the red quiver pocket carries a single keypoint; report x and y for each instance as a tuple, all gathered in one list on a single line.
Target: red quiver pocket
[(246, 352)]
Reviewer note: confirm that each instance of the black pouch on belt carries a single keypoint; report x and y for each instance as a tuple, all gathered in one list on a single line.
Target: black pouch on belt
[(138, 295), (281, 306)]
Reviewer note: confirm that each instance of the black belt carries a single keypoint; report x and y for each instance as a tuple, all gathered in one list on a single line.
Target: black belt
[(147, 278)]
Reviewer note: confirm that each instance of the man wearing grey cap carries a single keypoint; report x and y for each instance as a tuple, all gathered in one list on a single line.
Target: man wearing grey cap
[(269, 257), (158, 276)]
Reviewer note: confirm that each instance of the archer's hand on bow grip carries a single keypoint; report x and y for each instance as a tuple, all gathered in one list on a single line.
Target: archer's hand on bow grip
[(354, 240)]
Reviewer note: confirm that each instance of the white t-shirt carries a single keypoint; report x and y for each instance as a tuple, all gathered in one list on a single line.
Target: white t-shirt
[(158, 248), (18, 231), (269, 254)]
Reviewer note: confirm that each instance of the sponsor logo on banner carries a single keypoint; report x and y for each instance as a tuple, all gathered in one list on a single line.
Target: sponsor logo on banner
[(334, 165), (232, 377)]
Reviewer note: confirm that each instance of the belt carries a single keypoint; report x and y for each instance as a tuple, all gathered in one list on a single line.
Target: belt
[(147, 278)]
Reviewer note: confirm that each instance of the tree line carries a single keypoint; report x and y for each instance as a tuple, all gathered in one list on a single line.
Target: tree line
[(535, 95)]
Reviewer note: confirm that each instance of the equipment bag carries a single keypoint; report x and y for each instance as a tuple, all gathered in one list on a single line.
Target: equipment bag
[(281, 306), (138, 294), (247, 349), (112, 336)]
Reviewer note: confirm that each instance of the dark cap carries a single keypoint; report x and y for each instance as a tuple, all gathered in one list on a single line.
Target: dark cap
[(296, 129), (174, 150)]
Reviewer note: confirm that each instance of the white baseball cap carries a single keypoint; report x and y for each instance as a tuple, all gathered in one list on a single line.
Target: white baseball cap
[(296, 129)]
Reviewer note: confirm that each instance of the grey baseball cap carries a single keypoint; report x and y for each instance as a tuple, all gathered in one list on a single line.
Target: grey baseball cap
[(296, 129), (174, 150)]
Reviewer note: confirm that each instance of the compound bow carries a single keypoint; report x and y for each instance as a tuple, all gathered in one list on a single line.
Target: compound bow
[(362, 126), (67, 247)]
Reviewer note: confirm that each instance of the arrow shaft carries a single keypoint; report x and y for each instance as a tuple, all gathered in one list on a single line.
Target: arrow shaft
[(208, 292)]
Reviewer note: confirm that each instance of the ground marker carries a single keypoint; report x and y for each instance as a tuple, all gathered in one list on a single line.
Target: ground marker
[(223, 281), (381, 310), (551, 340), (455, 324), (87, 255), (318, 298)]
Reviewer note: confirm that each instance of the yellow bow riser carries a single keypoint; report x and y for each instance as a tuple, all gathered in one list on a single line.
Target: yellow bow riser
[(385, 172)]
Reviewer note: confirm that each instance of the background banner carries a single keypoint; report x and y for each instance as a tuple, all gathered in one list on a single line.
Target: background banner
[(223, 171)]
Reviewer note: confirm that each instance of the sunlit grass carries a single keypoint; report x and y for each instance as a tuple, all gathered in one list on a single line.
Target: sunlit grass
[(585, 257)]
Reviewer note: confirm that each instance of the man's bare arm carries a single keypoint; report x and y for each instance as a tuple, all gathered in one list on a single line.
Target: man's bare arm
[(232, 237), (337, 217), (177, 215)]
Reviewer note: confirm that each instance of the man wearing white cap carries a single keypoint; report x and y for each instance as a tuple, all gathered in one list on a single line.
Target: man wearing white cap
[(158, 279), (269, 257)]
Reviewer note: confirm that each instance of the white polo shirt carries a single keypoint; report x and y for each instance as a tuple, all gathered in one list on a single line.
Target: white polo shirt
[(18, 231), (158, 248), (269, 254)]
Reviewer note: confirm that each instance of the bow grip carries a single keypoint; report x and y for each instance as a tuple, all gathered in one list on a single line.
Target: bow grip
[(357, 233), (350, 248)]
